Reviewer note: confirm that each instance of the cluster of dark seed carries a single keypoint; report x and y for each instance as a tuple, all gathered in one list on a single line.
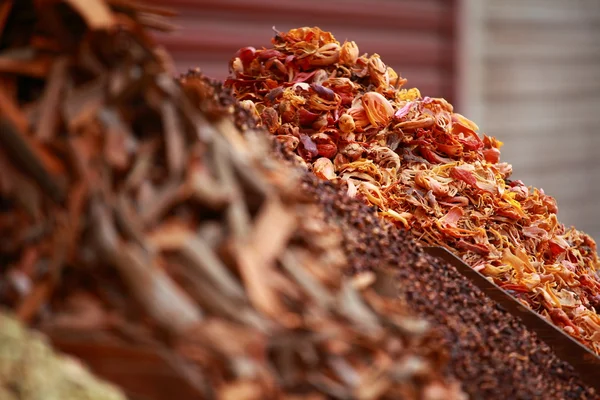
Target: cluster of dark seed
[(368, 242), (490, 351)]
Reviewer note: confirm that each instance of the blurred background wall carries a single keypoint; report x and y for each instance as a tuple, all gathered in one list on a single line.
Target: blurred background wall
[(530, 75), (527, 71), (416, 37)]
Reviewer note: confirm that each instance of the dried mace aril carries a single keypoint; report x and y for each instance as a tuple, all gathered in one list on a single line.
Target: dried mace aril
[(504, 229)]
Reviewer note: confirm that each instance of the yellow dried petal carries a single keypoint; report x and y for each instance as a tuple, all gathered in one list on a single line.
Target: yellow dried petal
[(346, 123), (396, 216), (395, 79), (408, 94), (466, 122)]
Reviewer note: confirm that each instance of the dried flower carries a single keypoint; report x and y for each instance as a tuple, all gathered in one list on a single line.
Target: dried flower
[(270, 119), (378, 109), (353, 151), (326, 55), (349, 54), (289, 143), (378, 72), (359, 115), (408, 94), (320, 77), (251, 107), (346, 123), (395, 80), (325, 145), (323, 168)]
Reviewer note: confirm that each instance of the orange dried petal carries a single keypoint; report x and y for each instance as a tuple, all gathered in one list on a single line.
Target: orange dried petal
[(349, 53), (324, 169), (378, 109)]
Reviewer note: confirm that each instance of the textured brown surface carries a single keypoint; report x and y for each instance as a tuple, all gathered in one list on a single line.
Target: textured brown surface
[(490, 351)]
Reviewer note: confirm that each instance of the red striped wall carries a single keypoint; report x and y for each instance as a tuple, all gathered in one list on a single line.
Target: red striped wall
[(416, 37)]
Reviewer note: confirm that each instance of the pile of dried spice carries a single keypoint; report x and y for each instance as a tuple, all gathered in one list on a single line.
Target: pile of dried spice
[(490, 351), (486, 348), (145, 234), (424, 166)]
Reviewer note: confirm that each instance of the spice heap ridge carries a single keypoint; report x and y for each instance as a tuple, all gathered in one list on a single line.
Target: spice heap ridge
[(348, 119)]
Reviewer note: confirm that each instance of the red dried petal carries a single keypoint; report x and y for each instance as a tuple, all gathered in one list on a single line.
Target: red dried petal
[(555, 249), (454, 150), (303, 76), (433, 157), (470, 144), (515, 287), (463, 175), (509, 213), (456, 200), (452, 217), (328, 150), (492, 155), (475, 248), (590, 282), (308, 149), (560, 318), (269, 53), (247, 55), (306, 118)]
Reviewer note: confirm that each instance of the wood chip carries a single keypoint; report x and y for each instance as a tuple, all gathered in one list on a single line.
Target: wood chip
[(96, 13)]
